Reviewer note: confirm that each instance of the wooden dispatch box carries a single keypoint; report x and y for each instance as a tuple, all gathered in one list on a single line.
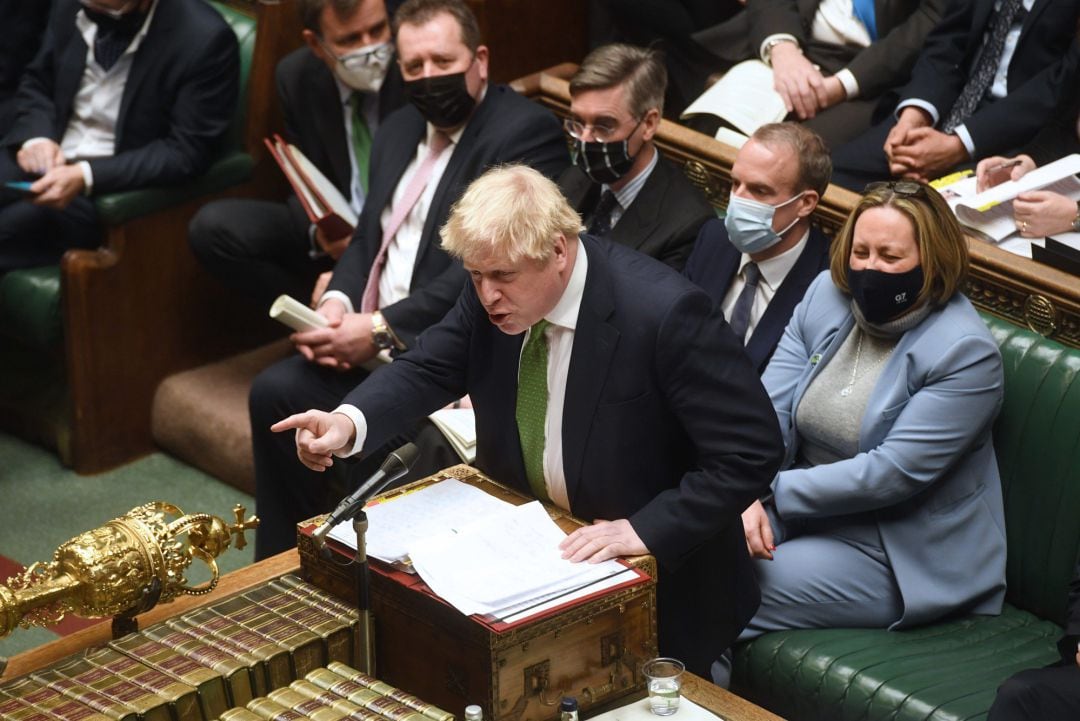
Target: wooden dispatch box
[(592, 649)]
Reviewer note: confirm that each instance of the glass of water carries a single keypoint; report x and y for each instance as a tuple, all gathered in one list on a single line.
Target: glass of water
[(664, 679)]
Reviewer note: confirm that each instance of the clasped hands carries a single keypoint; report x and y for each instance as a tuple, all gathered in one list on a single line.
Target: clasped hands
[(59, 182), (799, 82), (917, 151), (343, 344)]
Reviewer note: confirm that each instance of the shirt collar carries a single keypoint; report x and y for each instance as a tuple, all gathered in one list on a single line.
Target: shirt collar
[(629, 192), (565, 312), (88, 29), (775, 269)]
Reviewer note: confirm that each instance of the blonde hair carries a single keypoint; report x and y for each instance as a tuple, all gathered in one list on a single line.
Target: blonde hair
[(943, 251), (511, 211)]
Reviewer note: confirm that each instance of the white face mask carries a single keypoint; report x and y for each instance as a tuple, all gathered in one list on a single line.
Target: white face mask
[(363, 69), (114, 14), (749, 223)]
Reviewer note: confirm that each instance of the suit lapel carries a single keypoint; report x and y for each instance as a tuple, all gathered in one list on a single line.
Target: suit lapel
[(644, 214), (400, 149), (595, 341), (145, 64), (1031, 18), (69, 74), (775, 318), (328, 116)]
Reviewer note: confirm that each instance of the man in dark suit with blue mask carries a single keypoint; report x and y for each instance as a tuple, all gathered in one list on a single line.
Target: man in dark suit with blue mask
[(759, 260)]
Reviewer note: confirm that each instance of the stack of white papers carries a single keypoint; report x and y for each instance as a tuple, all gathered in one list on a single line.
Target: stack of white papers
[(480, 554), (458, 426), (394, 526), (504, 564)]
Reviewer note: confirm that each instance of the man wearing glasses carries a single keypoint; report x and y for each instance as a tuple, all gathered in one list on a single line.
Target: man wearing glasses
[(334, 93), (619, 183)]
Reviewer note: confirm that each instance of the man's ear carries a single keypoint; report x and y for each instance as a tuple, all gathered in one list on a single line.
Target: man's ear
[(650, 124), (808, 203)]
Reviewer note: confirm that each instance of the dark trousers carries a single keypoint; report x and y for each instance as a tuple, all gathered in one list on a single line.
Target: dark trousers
[(31, 235), (1039, 694), (257, 247), (863, 160)]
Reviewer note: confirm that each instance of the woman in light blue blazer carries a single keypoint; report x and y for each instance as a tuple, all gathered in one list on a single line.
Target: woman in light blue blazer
[(886, 384)]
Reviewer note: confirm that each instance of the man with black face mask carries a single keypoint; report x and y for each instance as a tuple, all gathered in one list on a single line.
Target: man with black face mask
[(394, 280), (334, 93), (626, 192), (123, 94)]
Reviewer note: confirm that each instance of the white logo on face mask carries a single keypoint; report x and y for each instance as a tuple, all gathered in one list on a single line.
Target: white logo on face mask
[(363, 69), (901, 297)]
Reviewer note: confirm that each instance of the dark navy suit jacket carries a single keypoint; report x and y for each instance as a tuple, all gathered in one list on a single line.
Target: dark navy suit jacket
[(505, 128), (714, 263), (176, 106), (665, 423)]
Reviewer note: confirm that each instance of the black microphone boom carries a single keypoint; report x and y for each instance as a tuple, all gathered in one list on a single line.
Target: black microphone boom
[(396, 465)]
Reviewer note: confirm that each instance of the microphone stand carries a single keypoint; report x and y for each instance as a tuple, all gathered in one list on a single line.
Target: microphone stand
[(366, 662)]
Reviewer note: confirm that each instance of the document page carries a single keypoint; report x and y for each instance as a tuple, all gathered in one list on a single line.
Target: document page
[(400, 522), (503, 561)]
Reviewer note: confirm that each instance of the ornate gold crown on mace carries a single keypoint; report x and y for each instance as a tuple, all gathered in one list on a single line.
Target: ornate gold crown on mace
[(123, 567)]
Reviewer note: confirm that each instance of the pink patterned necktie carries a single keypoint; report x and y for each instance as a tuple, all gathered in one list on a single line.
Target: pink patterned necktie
[(439, 142)]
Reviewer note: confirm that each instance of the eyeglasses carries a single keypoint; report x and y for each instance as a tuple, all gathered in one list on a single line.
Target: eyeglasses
[(601, 132), (378, 53), (907, 188)]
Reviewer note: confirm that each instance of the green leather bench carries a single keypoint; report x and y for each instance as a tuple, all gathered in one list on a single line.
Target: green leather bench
[(950, 671), (83, 344)]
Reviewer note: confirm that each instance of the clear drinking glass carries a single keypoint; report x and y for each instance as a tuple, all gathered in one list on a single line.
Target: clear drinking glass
[(664, 679)]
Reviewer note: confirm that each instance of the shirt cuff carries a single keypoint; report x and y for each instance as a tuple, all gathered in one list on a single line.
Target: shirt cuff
[(339, 296), (922, 104), (851, 85), (87, 176), (961, 132), (764, 52), (359, 423)]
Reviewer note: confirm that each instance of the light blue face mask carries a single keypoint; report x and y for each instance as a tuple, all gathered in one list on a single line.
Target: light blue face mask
[(749, 223)]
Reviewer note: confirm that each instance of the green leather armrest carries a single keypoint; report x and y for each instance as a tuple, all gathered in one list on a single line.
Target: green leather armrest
[(30, 306), (232, 169)]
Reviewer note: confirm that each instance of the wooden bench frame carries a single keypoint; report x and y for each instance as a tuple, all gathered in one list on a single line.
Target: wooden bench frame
[(1018, 289)]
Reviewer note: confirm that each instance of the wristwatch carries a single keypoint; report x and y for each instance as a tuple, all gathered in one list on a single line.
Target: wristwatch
[(1076, 220), (381, 334)]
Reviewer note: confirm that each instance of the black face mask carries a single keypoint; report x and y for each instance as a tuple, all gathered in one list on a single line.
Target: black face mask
[(443, 100), (603, 162), (884, 296)]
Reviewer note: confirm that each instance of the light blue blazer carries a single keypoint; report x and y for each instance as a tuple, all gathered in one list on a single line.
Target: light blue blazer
[(926, 468)]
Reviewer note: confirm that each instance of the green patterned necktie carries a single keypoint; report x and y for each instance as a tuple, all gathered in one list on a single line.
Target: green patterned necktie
[(361, 139), (531, 413)]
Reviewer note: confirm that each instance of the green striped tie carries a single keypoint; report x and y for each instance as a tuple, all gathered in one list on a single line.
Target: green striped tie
[(531, 413), (361, 139)]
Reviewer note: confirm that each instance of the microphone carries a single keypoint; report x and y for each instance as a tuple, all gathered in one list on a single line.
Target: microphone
[(396, 465)]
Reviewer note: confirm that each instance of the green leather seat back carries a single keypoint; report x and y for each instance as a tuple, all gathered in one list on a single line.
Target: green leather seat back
[(950, 671), (244, 27), (30, 307), (1037, 438)]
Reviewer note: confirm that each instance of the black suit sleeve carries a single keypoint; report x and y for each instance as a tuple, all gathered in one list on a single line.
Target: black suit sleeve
[(1067, 646), (200, 114), (772, 17), (34, 99), (717, 397), (886, 62)]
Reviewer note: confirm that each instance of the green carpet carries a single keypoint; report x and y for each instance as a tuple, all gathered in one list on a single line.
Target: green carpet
[(43, 504)]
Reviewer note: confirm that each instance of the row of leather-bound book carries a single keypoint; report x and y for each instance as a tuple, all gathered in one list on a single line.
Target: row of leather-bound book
[(283, 650)]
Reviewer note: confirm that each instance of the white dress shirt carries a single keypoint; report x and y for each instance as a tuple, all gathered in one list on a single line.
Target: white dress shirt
[(397, 273), (563, 319), (91, 130), (773, 272)]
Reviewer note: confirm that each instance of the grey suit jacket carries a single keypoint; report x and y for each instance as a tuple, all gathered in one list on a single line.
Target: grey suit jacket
[(902, 27), (926, 466)]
